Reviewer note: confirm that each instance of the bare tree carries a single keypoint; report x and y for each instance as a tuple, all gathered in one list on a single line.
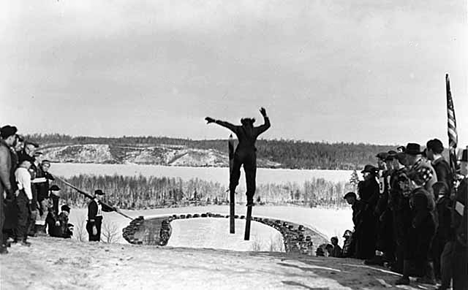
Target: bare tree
[(79, 231), (109, 232)]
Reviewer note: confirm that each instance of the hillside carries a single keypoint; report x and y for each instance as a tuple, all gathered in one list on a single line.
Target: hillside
[(52, 263), (185, 152), (168, 155)]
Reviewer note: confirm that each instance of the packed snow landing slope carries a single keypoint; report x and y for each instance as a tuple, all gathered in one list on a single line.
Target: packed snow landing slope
[(52, 263), (213, 233)]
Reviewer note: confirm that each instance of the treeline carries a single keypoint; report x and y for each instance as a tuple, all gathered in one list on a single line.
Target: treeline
[(289, 153), (145, 193)]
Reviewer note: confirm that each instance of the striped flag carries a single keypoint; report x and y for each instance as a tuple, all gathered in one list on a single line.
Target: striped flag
[(452, 127)]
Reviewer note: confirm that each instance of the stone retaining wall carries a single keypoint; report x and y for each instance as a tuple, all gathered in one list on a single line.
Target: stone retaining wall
[(157, 231)]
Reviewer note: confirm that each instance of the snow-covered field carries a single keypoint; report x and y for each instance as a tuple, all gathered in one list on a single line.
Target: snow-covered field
[(53, 263), (329, 222), (215, 174)]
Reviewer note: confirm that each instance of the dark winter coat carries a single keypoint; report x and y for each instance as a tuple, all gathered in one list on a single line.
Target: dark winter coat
[(443, 172)]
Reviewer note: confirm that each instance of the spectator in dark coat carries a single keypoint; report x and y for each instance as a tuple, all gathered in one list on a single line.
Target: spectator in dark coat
[(422, 230), (43, 178), (353, 241), (399, 204), (440, 165), (460, 225), (444, 234), (348, 245), (61, 228), (336, 251), (368, 191), (95, 209), (385, 244)]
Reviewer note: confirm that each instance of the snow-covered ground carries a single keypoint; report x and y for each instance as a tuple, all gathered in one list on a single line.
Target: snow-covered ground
[(213, 233), (53, 263), (186, 263)]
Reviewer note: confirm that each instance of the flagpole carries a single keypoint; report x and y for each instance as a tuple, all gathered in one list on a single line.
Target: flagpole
[(451, 127)]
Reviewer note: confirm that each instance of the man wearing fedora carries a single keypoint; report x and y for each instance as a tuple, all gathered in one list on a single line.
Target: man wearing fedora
[(421, 232), (95, 209), (368, 191), (399, 205), (385, 243), (415, 162), (444, 175), (417, 166), (438, 162)]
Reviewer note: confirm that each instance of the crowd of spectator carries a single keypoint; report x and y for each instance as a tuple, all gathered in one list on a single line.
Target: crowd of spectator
[(29, 203), (410, 214)]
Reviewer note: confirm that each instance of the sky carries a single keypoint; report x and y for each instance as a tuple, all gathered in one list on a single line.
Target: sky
[(337, 71)]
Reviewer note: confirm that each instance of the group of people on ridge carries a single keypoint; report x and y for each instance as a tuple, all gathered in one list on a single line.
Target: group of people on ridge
[(29, 203), (410, 214)]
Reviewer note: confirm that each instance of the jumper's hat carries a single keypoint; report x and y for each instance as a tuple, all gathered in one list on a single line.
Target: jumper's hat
[(54, 188)]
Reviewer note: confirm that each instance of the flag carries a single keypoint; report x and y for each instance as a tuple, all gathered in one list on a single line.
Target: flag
[(452, 127)]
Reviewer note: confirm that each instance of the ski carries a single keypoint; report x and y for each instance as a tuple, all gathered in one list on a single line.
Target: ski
[(232, 209), (248, 219)]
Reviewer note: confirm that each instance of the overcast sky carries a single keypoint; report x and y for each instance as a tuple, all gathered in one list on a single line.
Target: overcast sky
[(354, 71)]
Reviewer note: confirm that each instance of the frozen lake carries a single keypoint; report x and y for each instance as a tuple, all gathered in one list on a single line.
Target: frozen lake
[(215, 174)]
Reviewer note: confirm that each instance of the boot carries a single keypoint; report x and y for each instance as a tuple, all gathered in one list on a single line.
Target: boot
[(25, 243), (429, 277), (376, 260), (3, 250), (40, 230), (404, 280)]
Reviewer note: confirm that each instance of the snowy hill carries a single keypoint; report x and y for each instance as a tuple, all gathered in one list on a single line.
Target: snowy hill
[(52, 263), (168, 155)]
